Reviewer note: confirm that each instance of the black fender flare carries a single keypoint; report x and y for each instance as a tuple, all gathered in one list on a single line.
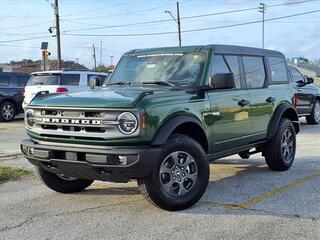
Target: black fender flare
[(278, 114), (170, 125)]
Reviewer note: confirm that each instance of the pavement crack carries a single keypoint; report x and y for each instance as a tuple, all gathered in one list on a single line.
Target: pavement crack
[(92, 208), (7, 228)]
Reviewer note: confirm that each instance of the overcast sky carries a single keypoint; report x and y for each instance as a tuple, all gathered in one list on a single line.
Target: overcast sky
[(22, 19)]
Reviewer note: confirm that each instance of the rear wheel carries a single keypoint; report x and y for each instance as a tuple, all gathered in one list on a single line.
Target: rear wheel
[(314, 117), (180, 177), (7, 111), (280, 151), (61, 183)]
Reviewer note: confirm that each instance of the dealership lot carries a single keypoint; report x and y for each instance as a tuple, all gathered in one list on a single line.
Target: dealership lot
[(244, 200)]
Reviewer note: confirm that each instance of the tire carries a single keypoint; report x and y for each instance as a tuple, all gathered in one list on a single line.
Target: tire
[(314, 117), (62, 184), (7, 111), (280, 151), (180, 177)]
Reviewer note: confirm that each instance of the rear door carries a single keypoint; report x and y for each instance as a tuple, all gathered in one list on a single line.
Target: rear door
[(260, 107), (229, 109), (304, 92)]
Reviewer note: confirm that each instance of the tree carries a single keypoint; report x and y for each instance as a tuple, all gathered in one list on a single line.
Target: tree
[(102, 68)]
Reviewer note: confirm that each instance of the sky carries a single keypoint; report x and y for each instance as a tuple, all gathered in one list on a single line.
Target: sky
[(21, 20)]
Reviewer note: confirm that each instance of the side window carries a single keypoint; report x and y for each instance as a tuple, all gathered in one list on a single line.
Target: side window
[(90, 75), (70, 79), (226, 64), (254, 71), (4, 80), (278, 69), (295, 76), (22, 80)]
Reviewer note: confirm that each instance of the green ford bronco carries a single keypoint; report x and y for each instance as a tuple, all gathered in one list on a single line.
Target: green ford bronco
[(163, 115)]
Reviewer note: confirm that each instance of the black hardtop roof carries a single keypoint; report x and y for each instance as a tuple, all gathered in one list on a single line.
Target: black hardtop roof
[(217, 48)]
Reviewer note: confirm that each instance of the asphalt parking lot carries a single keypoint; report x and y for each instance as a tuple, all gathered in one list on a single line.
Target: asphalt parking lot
[(244, 200)]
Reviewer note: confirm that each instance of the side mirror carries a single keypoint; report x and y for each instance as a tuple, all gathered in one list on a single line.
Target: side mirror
[(310, 80), (301, 83), (222, 81), (95, 81)]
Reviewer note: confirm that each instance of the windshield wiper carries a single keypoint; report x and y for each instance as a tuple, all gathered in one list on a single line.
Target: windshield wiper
[(119, 83), (164, 83)]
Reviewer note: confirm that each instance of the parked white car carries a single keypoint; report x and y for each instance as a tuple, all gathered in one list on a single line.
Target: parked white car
[(58, 81)]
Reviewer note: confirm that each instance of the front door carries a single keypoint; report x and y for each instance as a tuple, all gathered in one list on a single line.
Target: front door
[(229, 108), (304, 92)]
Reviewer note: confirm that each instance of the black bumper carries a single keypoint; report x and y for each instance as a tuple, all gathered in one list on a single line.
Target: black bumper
[(116, 164)]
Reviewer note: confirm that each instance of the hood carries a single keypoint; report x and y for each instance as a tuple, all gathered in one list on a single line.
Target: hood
[(122, 97)]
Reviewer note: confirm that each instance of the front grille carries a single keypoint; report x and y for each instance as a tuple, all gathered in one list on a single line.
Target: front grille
[(78, 124)]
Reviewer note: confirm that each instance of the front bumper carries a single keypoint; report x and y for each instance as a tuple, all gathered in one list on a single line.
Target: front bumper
[(116, 164)]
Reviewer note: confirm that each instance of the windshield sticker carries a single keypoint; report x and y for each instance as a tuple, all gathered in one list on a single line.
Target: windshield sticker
[(160, 55)]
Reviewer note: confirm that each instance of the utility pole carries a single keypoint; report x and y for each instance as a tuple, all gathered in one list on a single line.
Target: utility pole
[(101, 53), (94, 57), (111, 60), (177, 20), (262, 9), (56, 13)]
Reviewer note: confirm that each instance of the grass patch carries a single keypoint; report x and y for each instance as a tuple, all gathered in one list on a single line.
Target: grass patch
[(10, 173), (2, 128)]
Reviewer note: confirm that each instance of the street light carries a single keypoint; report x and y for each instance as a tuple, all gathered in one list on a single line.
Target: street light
[(177, 20)]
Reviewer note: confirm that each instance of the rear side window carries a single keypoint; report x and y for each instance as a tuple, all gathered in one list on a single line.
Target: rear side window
[(22, 80), (254, 71), (227, 64), (44, 80), (70, 79), (278, 69), (90, 75), (4, 80)]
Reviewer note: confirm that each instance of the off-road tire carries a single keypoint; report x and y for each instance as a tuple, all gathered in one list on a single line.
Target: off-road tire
[(152, 189), (275, 150), (314, 117), (7, 106), (61, 185)]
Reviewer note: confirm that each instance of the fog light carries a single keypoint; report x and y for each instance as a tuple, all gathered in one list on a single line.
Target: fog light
[(122, 160), (30, 151)]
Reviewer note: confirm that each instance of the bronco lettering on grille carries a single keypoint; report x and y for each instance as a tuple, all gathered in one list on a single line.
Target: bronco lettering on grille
[(71, 121)]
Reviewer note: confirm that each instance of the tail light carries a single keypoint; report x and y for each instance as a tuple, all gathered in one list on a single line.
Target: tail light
[(295, 100), (62, 90)]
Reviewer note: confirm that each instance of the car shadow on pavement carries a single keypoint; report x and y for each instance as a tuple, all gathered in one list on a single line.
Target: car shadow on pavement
[(105, 190)]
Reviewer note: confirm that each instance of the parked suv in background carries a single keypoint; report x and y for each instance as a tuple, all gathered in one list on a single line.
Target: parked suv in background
[(307, 100), (164, 115), (58, 81), (11, 94)]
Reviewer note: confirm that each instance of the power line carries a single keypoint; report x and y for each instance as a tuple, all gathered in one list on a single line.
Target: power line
[(121, 14), (182, 18), (191, 30), (24, 39)]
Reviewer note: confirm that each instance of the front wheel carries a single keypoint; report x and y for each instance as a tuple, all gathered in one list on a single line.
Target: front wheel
[(280, 151), (180, 177), (314, 117), (61, 183)]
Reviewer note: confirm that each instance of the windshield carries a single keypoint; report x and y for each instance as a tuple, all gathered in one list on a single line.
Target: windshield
[(175, 68)]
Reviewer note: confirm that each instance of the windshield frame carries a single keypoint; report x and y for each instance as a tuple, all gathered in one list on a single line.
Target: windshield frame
[(199, 82)]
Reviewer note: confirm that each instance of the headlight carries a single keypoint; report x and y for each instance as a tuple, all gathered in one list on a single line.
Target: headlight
[(128, 123), (30, 121)]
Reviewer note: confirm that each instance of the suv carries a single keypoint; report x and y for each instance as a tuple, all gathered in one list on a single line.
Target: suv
[(307, 99), (58, 81), (11, 94), (163, 116)]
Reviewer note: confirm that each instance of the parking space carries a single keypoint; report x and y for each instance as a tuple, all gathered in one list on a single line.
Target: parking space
[(244, 200)]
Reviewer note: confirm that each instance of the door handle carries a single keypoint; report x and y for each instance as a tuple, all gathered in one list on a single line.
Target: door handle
[(270, 99), (243, 102)]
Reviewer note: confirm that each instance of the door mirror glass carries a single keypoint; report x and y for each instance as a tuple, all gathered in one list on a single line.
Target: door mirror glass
[(222, 81), (96, 81)]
